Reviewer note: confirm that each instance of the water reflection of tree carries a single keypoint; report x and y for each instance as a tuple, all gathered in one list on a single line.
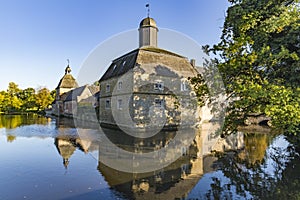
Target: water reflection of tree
[(256, 145), (14, 121), (256, 181), (10, 138)]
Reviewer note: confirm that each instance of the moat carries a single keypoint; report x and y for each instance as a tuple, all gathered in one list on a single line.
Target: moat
[(51, 158)]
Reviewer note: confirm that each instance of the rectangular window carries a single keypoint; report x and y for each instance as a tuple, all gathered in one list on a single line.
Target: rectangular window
[(158, 102), (120, 85), (159, 86), (184, 86), (107, 87), (107, 104), (120, 104)]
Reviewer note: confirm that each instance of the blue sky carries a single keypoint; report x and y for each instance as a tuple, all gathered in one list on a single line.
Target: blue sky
[(37, 37)]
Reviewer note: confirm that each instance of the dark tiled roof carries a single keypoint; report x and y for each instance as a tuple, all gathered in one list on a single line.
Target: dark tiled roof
[(73, 94), (67, 81), (126, 62), (64, 95), (121, 65)]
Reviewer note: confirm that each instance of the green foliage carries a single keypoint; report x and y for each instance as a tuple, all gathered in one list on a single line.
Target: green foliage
[(53, 94), (11, 100), (96, 83), (200, 89), (2, 98), (18, 100), (43, 98), (258, 58), (28, 98)]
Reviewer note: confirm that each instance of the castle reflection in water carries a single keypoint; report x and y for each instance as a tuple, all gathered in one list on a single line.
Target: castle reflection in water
[(174, 180)]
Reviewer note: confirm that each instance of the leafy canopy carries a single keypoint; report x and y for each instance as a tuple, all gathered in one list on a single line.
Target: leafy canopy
[(258, 58), (15, 99)]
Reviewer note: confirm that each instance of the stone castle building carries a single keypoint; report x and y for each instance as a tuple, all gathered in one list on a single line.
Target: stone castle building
[(148, 86), (66, 84), (74, 101)]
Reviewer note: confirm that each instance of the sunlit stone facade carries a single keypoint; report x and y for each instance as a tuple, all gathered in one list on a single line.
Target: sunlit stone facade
[(148, 86)]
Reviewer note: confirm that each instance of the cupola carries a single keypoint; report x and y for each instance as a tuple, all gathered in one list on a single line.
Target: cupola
[(148, 32)]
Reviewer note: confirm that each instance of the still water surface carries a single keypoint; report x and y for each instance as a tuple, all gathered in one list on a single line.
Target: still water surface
[(44, 158)]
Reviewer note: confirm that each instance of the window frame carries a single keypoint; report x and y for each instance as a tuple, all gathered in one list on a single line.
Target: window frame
[(159, 86), (107, 88), (184, 85), (158, 103), (120, 85), (107, 104), (120, 104)]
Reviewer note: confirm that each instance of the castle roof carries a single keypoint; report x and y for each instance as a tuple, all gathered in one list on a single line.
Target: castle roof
[(67, 81), (73, 94), (147, 55), (65, 148)]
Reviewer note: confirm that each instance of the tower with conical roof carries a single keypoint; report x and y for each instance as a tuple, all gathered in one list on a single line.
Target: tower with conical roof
[(65, 148), (66, 83)]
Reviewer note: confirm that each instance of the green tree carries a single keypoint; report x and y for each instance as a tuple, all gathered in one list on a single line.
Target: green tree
[(2, 98), (13, 89), (12, 102), (258, 58), (28, 98), (53, 94), (43, 98)]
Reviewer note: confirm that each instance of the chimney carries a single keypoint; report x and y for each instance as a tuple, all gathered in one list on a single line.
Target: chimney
[(193, 62)]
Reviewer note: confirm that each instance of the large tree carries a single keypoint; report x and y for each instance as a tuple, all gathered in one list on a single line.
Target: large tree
[(11, 101), (258, 58), (16, 99), (43, 98), (28, 98)]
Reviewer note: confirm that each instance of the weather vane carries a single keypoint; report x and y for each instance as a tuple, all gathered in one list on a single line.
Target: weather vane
[(68, 69), (148, 6)]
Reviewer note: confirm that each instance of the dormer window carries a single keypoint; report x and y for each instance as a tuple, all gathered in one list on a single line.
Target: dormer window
[(124, 62), (107, 87), (115, 66), (159, 85)]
